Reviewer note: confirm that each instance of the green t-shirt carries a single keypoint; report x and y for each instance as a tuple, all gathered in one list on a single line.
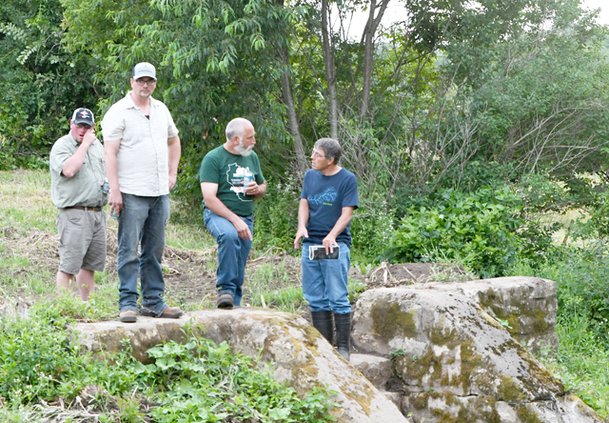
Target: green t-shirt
[(229, 171)]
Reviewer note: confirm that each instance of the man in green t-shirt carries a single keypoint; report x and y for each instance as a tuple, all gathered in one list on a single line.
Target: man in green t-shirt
[(231, 179)]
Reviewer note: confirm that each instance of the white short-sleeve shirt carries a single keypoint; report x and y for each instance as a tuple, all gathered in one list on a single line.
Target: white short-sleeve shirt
[(143, 157)]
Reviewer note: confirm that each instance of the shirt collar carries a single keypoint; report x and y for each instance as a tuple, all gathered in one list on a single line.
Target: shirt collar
[(132, 105)]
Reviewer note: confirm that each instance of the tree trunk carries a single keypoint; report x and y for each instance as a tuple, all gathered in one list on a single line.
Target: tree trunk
[(330, 69), (300, 162), (368, 41)]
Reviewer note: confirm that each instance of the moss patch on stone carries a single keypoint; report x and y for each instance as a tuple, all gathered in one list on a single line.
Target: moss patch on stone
[(516, 313), (509, 390), (389, 320), (526, 415)]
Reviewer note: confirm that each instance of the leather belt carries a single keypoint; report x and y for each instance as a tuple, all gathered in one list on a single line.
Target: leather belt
[(85, 208)]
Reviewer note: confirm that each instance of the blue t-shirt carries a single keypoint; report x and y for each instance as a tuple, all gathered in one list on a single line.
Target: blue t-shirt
[(327, 195)]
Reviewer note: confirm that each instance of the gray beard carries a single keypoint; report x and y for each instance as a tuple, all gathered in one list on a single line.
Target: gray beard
[(244, 151)]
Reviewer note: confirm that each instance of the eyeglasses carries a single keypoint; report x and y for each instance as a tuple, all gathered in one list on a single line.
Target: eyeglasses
[(143, 82), (317, 154)]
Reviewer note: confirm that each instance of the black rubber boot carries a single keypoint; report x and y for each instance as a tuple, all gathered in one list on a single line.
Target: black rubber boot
[(323, 322), (343, 333)]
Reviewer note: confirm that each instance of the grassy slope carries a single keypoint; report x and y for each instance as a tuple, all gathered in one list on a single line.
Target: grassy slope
[(28, 256)]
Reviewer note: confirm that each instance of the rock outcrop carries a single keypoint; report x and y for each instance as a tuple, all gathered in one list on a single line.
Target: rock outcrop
[(444, 351), (296, 351), (433, 352)]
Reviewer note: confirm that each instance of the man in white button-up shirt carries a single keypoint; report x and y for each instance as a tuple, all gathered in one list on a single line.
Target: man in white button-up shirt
[(142, 152)]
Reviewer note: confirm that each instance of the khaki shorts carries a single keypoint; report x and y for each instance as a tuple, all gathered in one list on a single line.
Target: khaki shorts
[(82, 240)]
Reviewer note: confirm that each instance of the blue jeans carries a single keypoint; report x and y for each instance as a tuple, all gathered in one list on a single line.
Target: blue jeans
[(324, 282), (142, 220), (232, 253)]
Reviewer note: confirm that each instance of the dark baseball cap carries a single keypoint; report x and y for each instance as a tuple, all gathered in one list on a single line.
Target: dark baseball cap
[(83, 115)]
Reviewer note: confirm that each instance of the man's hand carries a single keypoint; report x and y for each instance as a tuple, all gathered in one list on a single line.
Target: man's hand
[(89, 137), (254, 189), (242, 229), (329, 242), (301, 233), (115, 200), (172, 181)]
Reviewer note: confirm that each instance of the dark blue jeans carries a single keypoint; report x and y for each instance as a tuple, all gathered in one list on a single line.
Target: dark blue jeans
[(142, 221), (232, 253)]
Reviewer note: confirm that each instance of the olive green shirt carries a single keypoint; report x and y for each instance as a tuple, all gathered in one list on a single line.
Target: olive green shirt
[(85, 188)]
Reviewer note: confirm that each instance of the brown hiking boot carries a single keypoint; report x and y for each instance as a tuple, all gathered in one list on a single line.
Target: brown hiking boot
[(168, 313), (127, 316), (225, 300), (172, 313)]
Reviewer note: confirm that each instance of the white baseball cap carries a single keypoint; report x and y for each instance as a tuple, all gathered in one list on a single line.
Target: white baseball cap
[(144, 69)]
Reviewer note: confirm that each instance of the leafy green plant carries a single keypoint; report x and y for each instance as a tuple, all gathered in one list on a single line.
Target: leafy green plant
[(203, 382), (38, 361), (276, 215), (477, 229)]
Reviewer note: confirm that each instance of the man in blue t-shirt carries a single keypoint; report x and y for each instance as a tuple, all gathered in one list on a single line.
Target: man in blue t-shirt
[(328, 198)]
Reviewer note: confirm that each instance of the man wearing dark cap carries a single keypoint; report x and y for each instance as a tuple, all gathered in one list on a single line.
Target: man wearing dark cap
[(142, 151), (79, 192)]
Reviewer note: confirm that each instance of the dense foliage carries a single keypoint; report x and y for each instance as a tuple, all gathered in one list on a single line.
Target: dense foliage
[(478, 230)]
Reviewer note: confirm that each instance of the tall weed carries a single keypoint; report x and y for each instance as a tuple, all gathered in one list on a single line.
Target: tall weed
[(371, 229), (276, 215)]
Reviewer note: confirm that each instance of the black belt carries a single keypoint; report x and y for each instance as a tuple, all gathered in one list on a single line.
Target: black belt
[(85, 208)]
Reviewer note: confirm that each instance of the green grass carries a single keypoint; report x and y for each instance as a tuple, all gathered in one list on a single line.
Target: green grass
[(25, 200)]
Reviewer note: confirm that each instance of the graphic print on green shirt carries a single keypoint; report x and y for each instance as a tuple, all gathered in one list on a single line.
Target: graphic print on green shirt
[(239, 177), (230, 171)]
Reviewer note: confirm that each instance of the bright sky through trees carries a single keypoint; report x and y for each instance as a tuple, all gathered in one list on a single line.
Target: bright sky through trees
[(395, 11), (598, 4)]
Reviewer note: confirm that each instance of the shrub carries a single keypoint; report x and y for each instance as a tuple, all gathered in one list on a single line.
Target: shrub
[(371, 229), (276, 215), (598, 225), (477, 229)]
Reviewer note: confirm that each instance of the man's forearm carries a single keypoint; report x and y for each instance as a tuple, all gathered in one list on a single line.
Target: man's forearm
[(174, 152), (217, 207)]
